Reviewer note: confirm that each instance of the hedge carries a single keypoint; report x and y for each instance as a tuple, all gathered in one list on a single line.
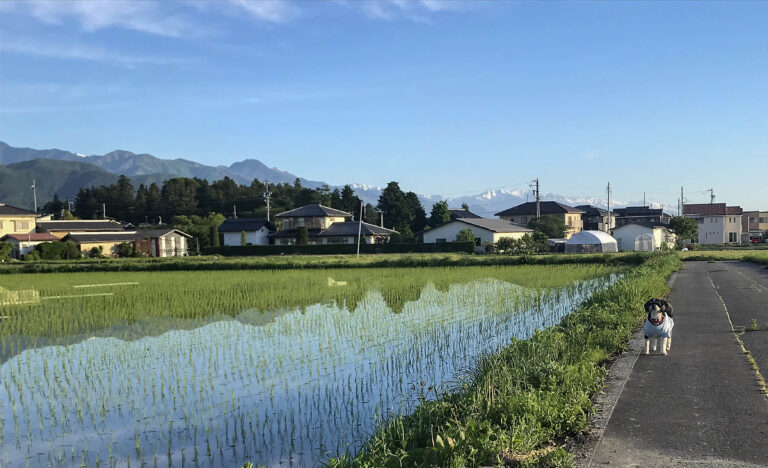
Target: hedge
[(336, 249)]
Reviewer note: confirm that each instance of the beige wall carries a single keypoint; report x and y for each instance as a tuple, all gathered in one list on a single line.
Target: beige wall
[(508, 235), (311, 222), (108, 248), (15, 224)]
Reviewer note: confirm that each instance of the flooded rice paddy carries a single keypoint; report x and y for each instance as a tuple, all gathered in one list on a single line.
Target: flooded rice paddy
[(289, 386)]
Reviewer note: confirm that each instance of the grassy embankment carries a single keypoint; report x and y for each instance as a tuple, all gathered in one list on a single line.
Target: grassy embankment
[(289, 262), (520, 402)]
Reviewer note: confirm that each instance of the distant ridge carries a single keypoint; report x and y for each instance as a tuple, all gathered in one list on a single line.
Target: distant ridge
[(63, 173)]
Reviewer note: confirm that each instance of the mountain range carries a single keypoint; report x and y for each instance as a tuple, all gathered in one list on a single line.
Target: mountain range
[(62, 173)]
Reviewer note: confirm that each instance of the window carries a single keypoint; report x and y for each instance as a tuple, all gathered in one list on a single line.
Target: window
[(570, 221), (477, 242), (336, 240), (524, 220), (762, 220), (440, 241), (731, 237), (22, 225)]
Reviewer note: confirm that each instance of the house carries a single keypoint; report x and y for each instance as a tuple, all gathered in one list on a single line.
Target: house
[(152, 243), (591, 242), (754, 225), (15, 220), (718, 223), (25, 243), (256, 231), (162, 243), (107, 242), (484, 230), (596, 219), (316, 218), (522, 214), (462, 213), (644, 215), (643, 237), (60, 228), (346, 233)]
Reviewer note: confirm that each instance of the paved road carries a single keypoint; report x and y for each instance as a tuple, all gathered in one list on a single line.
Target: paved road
[(701, 405)]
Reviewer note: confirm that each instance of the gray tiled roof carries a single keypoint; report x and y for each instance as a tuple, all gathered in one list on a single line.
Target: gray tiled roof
[(350, 229), (160, 233), (244, 224), (494, 225), (12, 210), (463, 214), (102, 237), (315, 210), (545, 208), (80, 226)]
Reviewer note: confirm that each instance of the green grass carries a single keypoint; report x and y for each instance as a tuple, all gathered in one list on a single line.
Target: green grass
[(759, 256), (527, 397)]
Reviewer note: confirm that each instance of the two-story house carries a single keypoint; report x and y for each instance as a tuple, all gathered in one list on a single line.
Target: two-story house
[(754, 225), (596, 219), (642, 215), (718, 223), (15, 220), (325, 226), (525, 212)]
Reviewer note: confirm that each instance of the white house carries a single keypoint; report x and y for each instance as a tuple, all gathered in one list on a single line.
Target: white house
[(718, 223), (256, 231), (25, 243), (642, 237), (484, 230)]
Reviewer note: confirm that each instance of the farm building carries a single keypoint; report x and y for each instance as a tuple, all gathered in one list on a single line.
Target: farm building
[(25, 243), (346, 233), (591, 242), (485, 230), (642, 237), (256, 231), (164, 242)]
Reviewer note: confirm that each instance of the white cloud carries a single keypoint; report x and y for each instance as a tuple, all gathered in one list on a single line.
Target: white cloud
[(414, 10), (92, 15), (76, 51), (274, 11)]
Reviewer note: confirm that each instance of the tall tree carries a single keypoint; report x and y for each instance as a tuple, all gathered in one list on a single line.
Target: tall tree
[(440, 214), (395, 206), (684, 229), (349, 201), (418, 215), (550, 225)]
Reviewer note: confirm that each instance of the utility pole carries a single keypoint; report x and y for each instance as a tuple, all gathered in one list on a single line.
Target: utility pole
[(359, 228), (538, 198), (711, 196), (34, 193), (381, 216), (104, 210), (643, 198), (234, 211), (608, 228), (267, 196), (682, 203)]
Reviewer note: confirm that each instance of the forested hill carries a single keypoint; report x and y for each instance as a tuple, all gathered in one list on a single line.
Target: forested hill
[(52, 177), (133, 165)]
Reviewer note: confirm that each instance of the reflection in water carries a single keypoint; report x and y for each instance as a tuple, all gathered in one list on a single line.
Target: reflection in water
[(287, 388)]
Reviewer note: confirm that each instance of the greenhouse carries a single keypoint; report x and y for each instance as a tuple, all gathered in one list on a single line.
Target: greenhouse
[(591, 242)]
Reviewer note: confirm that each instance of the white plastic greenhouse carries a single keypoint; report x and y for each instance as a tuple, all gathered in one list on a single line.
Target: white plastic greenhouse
[(591, 242)]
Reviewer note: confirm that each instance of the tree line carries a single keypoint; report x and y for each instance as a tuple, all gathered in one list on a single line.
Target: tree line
[(186, 202)]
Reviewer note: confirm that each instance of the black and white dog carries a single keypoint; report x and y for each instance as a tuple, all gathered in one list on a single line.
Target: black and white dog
[(658, 326)]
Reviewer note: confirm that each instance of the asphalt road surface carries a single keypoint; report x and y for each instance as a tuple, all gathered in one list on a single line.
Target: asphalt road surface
[(701, 405)]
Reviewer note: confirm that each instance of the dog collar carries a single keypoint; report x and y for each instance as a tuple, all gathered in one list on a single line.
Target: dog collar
[(660, 321)]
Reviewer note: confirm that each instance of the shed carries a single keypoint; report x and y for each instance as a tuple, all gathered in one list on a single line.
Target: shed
[(591, 242), (484, 230)]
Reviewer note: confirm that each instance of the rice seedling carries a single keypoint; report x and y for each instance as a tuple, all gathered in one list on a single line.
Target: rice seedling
[(276, 367)]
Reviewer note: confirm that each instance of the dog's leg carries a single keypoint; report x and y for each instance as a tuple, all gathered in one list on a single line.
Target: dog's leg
[(647, 345), (654, 343), (663, 345), (669, 341)]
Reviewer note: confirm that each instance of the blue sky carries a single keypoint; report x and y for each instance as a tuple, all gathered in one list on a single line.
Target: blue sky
[(445, 97)]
